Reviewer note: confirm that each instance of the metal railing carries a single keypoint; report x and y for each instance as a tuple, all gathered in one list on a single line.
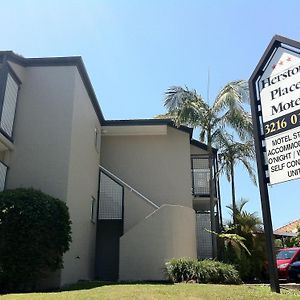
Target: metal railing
[(201, 176), (129, 187), (200, 182)]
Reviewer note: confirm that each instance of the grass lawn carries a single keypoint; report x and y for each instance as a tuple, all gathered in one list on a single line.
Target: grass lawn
[(159, 291)]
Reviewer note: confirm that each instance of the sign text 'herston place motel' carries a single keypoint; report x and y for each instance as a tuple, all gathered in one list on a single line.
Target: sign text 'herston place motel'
[(279, 89)]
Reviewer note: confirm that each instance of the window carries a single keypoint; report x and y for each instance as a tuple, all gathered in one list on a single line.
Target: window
[(97, 139), (3, 171), (93, 210), (9, 86)]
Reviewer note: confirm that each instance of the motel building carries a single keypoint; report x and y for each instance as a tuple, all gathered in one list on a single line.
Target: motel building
[(137, 190)]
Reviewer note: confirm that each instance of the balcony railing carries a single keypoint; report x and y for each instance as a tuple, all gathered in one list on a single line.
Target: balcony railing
[(200, 182), (3, 171), (201, 176)]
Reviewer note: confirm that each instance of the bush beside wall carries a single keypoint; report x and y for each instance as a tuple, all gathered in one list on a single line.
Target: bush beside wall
[(35, 231), (205, 271)]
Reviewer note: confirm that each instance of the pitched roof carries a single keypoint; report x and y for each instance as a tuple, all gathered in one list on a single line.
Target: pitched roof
[(58, 61), (202, 145), (145, 122), (78, 62), (288, 228)]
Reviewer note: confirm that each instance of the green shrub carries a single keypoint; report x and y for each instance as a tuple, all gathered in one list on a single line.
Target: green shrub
[(205, 271), (35, 231), (181, 269)]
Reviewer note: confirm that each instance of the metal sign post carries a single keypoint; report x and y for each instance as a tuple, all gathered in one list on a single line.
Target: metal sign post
[(275, 105), (265, 204)]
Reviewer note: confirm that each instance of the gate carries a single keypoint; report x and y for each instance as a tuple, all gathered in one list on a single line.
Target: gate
[(109, 228)]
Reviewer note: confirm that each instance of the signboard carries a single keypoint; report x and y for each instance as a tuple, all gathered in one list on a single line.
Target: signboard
[(279, 93), (274, 90)]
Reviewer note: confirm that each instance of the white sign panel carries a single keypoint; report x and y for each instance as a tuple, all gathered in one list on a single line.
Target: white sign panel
[(279, 89)]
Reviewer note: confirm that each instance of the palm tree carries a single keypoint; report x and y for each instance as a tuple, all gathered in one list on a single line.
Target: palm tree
[(187, 107), (232, 153), (247, 223), (249, 227)]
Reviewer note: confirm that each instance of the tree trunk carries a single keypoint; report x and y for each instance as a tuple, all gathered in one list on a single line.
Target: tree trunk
[(211, 196), (233, 194)]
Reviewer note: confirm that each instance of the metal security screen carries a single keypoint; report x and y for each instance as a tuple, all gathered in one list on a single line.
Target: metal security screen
[(110, 199), (200, 175), (204, 238), (9, 105), (3, 171)]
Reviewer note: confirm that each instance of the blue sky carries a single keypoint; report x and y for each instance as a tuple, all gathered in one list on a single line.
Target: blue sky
[(134, 50)]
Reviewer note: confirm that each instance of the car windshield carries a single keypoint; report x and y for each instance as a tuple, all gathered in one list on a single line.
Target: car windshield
[(285, 254)]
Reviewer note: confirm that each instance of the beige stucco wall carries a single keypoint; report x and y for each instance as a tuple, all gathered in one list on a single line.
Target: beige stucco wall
[(54, 151), (19, 70), (197, 150), (167, 233), (158, 166), (82, 185), (135, 209), (42, 133)]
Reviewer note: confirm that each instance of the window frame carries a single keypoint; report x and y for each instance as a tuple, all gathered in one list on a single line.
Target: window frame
[(6, 70), (94, 210)]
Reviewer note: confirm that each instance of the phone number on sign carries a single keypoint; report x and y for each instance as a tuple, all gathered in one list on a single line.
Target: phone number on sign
[(282, 124)]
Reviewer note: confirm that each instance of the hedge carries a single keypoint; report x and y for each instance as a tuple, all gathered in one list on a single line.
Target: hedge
[(35, 231), (202, 271)]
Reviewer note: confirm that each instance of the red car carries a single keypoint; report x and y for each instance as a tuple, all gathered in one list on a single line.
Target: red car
[(285, 257)]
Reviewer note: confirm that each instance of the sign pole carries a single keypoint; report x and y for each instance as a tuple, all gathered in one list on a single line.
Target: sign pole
[(264, 194), (275, 105)]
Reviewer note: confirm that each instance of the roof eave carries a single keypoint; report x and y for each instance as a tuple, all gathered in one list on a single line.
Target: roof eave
[(145, 122), (202, 146), (58, 61)]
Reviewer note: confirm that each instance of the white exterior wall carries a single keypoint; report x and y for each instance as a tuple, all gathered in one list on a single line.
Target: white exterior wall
[(82, 185), (19, 70), (167, 233), (42, 131), (158, 166), (54, 152), (42, 134), (196, 150), (135, 209)]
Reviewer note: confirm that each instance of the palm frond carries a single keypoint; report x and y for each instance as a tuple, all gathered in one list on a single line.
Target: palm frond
[(249, 168), (185, 106), (232, 96), (234, 239), (202, 136), (164, 116), (240, 121)]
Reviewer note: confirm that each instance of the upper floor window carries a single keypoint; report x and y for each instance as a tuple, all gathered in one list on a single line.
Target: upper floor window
[(97, 139), (9, 87)]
